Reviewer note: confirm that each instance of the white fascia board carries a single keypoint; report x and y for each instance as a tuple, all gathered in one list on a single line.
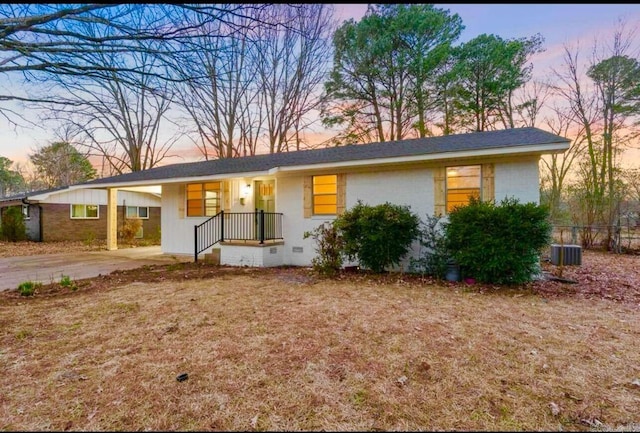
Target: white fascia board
[(39, 197), (523, 150), (171, 180)]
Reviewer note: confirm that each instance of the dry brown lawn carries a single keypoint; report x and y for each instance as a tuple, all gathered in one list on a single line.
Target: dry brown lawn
[(280, 349)]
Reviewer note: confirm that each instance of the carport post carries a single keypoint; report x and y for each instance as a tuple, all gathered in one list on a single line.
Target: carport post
[(112, 219)]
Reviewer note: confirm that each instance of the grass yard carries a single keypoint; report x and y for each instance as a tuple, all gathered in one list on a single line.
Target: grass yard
[(280, 349)]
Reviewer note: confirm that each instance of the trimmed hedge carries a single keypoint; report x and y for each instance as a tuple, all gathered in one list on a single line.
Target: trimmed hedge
[(377, 236), (498, 243)]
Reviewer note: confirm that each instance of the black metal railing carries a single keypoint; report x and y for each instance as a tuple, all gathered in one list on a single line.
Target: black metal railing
[(237, 226), (208, 233)]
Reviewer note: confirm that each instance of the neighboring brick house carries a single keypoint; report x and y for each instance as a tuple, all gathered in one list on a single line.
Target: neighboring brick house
[(230, 207), (63, 214)]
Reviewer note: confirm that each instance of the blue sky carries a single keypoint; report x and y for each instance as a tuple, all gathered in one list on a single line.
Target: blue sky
[(559, 24)]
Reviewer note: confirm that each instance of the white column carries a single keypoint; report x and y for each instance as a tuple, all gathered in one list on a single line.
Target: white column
[(112, 219)]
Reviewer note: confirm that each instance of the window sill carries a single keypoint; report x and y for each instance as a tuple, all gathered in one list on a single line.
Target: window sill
[(323, 217)]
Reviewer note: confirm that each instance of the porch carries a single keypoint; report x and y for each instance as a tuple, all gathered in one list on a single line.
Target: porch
[(241, 238)]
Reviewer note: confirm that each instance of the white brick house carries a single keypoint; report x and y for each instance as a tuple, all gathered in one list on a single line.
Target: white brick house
[(297, 191)]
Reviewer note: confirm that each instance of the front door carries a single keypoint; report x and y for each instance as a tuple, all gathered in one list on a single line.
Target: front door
[(265, 200)]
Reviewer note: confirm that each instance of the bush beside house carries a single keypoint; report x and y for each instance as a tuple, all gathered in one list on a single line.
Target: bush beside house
[(498, 243), (491, 243), (12, 226)]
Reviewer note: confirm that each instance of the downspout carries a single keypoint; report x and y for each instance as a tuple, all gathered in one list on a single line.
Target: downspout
[(40, 226), (26, 201), (124, 214)]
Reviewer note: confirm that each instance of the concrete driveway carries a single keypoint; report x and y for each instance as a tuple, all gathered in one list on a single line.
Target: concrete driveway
[(46, 268)]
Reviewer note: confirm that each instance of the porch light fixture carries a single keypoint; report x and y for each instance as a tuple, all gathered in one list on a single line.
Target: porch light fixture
[(246, 191)]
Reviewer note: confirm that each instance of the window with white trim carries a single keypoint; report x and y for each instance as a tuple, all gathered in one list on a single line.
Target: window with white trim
[(85, 211), (137, 212)]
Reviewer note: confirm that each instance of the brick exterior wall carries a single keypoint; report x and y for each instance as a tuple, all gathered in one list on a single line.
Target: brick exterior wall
[(57, 224)]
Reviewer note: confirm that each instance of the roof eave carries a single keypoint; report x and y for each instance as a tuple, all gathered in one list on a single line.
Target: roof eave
[(537, 149), (171, 180)]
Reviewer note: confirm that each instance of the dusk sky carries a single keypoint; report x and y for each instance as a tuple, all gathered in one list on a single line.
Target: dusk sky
[(559, 24)]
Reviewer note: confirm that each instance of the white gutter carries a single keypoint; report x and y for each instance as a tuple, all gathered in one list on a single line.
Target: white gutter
[(541, 148), (171, 180)]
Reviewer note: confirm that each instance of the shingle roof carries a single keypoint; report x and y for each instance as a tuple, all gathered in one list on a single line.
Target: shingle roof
[(412, 147), (22, 195)]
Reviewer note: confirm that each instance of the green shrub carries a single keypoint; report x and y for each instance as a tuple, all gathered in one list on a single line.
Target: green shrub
[(434, 255), (13, 228), (377, 236), (498, 243), (28, 288), (66, 281), (329, 246)]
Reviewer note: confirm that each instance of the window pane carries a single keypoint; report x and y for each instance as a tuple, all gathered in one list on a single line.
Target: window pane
[(463, 182), (77, 211), (464, 171), (325, 209), (132, 212), (325, 189), (143, 212), (202, 199), (325, 199), (321, 180), (194, 195), (194, 208), (92, 211), (194, 191)]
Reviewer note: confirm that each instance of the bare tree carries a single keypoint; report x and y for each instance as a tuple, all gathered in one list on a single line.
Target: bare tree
[(108, 64), (604, 111), (291, 63), (556, 167), (115, 120), (530, 102), (218, 88), (255, 86)]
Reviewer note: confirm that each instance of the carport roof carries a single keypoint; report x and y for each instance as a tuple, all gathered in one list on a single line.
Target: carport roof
[(29, 194), (503, 139)]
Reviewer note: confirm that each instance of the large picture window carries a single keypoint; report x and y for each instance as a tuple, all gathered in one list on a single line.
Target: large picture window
[(85, 211), (325, 194), (463, 182), (203, 199)]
